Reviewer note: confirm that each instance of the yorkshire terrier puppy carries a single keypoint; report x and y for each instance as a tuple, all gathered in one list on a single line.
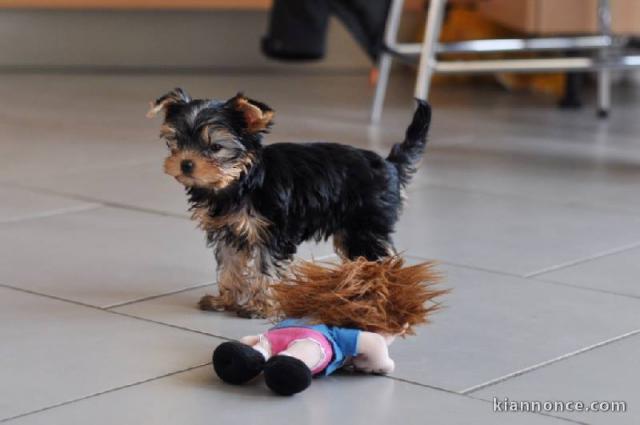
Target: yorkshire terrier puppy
[(257, 203)]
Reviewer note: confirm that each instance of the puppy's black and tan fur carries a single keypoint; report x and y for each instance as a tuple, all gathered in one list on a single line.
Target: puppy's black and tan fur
[(258, 203)]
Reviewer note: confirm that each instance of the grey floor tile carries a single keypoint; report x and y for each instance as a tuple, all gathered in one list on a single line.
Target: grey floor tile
[(53, 351), (104, 256), (607, 373), (492, 325), (586, 174), (180, 309), (18, 204), (525, 118), (538, 115), (516, 186), (507, 234), (109, 151), (198, 397), (101, 123), (58, 145), (110, 256), (617, 272), (142, 185)]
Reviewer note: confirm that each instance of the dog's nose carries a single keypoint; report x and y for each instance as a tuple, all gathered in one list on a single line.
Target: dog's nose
[(187, 166)]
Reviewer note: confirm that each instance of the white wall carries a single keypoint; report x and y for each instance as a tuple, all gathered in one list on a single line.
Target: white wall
[(42, 38)]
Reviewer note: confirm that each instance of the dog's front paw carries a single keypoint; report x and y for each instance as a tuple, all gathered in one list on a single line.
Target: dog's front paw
[(212, 303)]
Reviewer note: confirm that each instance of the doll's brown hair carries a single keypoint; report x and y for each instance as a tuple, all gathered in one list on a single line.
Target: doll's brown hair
[(380, 296)]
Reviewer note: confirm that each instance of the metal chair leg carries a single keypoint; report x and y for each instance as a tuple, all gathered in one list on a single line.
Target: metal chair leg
[(571, 98), (429, 63), (384, 64), (429, 46), (604, 93), (604, 74), (384, 68)]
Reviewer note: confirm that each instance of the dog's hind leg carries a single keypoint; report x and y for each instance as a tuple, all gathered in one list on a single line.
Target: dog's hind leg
[(352, 244)]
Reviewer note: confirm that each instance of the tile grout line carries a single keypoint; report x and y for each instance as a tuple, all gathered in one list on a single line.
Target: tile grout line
[(142, 382), (53, 213), (53, 297), (410, 382), (415, 383), (545, 363), (110, 390), (532, 279), (153, 297), (571, 285), (11, 182), (465, 393), (571, 204), (467, 266), (100, 203), (420, 384), (178, 291), (459, 394), (104, 203), (603, 254), (117, 313), (169, 325)]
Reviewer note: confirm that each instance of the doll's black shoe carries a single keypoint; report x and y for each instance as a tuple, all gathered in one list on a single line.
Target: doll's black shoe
[(237, 363), (286, 375)]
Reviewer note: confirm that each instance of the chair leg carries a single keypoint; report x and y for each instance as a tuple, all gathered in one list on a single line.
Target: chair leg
[(384, 64), (384, 68), (429, 45), (604, 74), (571, 98), (604, 93)]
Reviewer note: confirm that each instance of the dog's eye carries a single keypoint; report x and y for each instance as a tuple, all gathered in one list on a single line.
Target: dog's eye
[(215, 148)]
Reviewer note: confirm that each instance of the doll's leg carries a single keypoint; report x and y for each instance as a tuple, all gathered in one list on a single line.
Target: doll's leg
[(236, 362), (373, 354), (259, 343), (290, 371), (308, 352)]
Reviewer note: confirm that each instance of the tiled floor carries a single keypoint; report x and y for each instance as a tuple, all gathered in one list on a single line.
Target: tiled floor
[(534, 214)]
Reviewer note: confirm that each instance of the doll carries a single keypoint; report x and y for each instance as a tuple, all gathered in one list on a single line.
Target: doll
[(332, 316)]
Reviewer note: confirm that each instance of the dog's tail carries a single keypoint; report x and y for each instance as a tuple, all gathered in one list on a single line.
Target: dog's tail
[(406, 155)]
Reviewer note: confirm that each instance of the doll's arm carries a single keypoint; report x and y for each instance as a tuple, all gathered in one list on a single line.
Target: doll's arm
[(373, 354)]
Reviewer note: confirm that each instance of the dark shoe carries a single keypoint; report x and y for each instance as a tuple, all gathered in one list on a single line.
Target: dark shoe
[(286, 375), (237, 363)]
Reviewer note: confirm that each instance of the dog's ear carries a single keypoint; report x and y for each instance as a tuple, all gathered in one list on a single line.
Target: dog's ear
[(175, 96), (258, 117)]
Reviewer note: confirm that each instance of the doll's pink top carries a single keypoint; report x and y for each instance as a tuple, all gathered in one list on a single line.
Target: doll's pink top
[(281, 338)]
